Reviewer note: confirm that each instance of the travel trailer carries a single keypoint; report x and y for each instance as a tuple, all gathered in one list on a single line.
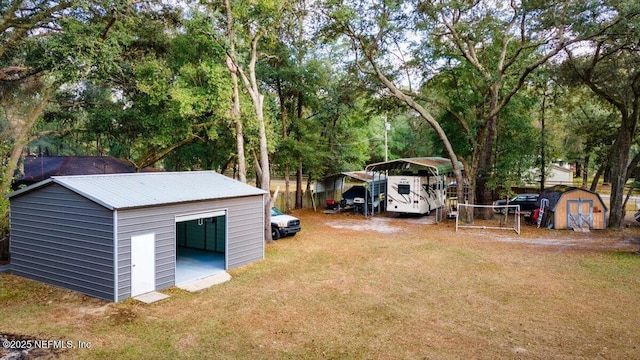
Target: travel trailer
[(415, 194), (416, 185)]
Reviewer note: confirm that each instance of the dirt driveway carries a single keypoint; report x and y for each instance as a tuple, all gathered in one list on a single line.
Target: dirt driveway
[(626, 239)]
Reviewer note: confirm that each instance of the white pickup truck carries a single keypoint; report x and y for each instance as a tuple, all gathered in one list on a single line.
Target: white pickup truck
[(283, 225)]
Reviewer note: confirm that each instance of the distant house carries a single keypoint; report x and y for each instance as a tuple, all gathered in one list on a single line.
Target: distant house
[(555, 175), (116, 236), (38, 168), (559, 175)]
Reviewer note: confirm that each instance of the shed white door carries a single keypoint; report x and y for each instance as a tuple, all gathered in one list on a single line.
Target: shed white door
[(143, 259)]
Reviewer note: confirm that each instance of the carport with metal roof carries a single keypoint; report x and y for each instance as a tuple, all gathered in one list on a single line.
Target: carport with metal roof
[(436, 165), (118, 236), (333, 187), (439, 167)]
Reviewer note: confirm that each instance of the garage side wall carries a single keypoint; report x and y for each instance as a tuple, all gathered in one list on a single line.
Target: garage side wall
[(61, 238), (245, 235)]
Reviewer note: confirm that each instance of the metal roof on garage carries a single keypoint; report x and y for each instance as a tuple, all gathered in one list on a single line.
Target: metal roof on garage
[(438, 165), (121, 191)]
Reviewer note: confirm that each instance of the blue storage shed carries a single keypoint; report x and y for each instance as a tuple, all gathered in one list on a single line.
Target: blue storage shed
[(121, 235)]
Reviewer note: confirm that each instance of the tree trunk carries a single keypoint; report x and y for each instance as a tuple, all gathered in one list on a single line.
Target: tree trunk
[(597, 176), (257, 98), (284, 122), (585, 172), (543, 138), (619, 163), (310, 193), (477, 172), (235, 106), (299, 203), (578, 167), (485, 167), (17, 131), (626, 200), (299, 107), (241, 159), (154, 155), (265, 178), (287, 189), (471, 177), (483, 191), (633, 164), (429, 119), (251, 85)]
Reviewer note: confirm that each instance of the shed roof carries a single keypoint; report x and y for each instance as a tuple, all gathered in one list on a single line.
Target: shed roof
[(40, 168), (438, 165), (121, 191)]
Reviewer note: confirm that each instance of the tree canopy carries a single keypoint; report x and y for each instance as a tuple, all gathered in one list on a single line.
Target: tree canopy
[(305, 88)]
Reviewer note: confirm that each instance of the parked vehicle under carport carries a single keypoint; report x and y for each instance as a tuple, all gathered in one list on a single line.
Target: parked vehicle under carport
[(356, 196)]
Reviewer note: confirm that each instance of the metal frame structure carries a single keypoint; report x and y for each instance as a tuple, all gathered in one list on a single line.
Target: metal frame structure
[(516, 221), (437, 166)]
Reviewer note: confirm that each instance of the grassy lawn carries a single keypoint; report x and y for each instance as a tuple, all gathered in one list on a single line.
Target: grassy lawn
[(352, 288)]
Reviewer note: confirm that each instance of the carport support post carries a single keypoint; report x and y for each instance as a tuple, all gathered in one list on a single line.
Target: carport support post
[(366, 191)]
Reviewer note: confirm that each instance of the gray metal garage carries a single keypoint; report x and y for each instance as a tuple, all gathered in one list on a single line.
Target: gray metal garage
[(121, 235)]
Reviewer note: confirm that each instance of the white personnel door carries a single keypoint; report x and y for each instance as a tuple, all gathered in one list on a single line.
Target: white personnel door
[(143, 260)]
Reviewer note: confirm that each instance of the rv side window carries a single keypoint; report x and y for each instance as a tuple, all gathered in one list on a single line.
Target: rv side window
[(404, 189)]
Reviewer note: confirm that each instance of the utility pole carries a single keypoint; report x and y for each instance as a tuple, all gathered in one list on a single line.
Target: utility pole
[(387, 127), (543, 140)]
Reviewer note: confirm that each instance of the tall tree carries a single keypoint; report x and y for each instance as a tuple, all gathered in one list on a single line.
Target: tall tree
[(290, 76), (235, 107), (25, 89), (376, 32), (44, 44), (588, 127), (247, 25), (162, 91), (500, 46), (611, 69)]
